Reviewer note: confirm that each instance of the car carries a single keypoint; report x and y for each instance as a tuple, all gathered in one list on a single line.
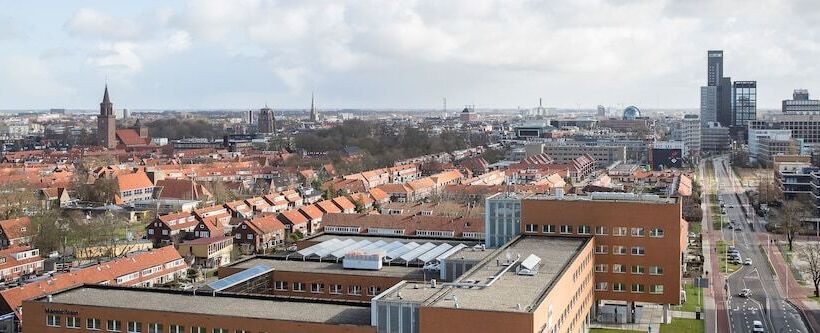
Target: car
[(737, 227), (748, 262), (745, 293), (757, 326)]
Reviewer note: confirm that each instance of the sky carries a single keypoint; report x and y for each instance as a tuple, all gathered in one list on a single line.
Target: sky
[(243, 54)]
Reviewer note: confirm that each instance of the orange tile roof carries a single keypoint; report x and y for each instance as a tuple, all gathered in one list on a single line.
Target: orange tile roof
[(266, 224), (130, 137), (99, 273), (327, 206), (293, 216), (16, 228), (311, 211), (343, 203), (133, 181)]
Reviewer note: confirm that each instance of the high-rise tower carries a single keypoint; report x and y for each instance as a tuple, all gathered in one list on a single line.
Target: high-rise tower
[(314, 115), (715, 67), (106, 123)]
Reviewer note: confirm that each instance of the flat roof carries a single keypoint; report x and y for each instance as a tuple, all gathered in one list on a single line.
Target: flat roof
[(220, 305), (373, 238), (509, 289), (611, 197), (329, 267)]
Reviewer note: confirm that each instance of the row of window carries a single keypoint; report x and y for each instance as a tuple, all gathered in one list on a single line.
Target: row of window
[(635, 269), (620, 250), (599, 230), (319, 288), (635, 288), (95, 324)]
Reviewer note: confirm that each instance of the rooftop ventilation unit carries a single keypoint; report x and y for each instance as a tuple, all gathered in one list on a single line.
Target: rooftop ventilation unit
[(529, 266)]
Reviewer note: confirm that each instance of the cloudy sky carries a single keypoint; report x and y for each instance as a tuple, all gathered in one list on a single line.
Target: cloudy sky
[(399, 54)]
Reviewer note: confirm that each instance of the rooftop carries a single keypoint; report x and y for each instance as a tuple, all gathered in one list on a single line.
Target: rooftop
[(325, 267), (509, 289), (610, 196), (220, 305)]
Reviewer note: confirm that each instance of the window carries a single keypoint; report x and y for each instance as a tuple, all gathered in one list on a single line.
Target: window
[(165, 232), (354, 290), (566, 229), (600, 249), (637, 232), (317, 288), (637, 269), (280, 285), (618, 249), (619, 231), (220, 330), (134, 327), (530, 228), (656, 289), (373, 291), (93, 323), (617, 286), (72, 322), (600, 268), (238, 236), (637, 288), (656, 232), (150, 231), (655, 270), (53, 321), (155, 328), (548, 228), (114, 325), (176, 329), (584, 230), (601, 286), (638, 251), (336, 289), (197, 329), (617, 268), (298, 286), (600, 230)]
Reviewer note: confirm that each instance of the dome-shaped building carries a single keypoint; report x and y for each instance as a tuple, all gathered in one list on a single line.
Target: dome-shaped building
[(631, 113)]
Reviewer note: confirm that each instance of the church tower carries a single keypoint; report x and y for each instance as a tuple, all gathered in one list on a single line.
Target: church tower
[(106, 123)]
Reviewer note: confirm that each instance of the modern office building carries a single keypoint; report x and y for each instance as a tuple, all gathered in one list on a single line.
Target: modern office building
[(714, 69), (604, 154), (800, 104), (744, 106), (688, 130), (724, 102), (765, 143), (714, 138), (708, 104), (805, 127), (666, 154)]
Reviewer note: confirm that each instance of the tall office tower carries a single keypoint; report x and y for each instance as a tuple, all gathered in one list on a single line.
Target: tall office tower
[(266, 120), (708, 104), (715, 67), (124, 113), (724, 102), (314, 115), (744, 107), (250, 117), (801, 104), (601, 111), (106, 123)]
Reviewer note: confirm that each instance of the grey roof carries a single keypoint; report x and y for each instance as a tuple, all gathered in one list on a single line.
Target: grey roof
[(239, 277), (164, 302)]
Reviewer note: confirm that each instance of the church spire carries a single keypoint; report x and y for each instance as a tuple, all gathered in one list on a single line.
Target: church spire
[(313, 116), (105, 95)]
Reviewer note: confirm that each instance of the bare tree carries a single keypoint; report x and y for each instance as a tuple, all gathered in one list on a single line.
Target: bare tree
[(810, 255), (790, 220), (14, 199)]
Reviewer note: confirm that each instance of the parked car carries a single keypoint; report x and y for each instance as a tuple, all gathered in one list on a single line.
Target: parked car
[(748, 262), (745, 293)]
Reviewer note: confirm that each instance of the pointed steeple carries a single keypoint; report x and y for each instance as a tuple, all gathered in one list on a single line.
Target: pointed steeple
[(314, 117), (105, 95)]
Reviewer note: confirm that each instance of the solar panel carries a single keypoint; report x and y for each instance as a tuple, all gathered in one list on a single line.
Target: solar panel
[(413, 254), (401, 250), (450, 252), (238, 278), (531, 262), (432, 254), (339, 253)]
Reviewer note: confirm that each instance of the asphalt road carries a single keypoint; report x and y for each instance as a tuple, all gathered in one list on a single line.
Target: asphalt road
[(766, 303)]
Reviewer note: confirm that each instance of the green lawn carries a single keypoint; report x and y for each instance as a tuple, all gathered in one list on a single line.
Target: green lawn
[(611, 330), (694, 299), (721, 250), (680, 325), (695, 227)]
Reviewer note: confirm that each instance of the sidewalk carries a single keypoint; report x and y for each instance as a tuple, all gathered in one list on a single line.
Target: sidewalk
[(714, 307), (797, 293)]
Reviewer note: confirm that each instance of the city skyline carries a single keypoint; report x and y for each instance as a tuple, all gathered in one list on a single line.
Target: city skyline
[(239, 55)]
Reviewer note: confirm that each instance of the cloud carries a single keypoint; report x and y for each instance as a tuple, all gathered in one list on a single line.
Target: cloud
[(9, 29), (91, 23), (29, 79)]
